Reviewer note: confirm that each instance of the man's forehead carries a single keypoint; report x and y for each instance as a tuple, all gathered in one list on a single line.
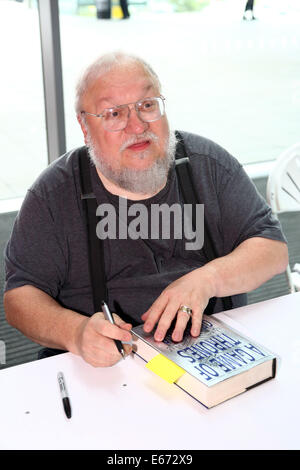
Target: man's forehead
[(111, 99), (113, 86)]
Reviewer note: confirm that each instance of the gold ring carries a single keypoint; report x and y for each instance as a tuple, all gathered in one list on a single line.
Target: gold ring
[(184, 308)]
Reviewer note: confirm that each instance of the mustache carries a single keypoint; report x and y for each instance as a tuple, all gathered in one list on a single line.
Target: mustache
[(147, 135)]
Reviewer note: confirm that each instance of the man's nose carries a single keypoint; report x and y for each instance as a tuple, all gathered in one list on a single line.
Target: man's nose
[(135, 125)]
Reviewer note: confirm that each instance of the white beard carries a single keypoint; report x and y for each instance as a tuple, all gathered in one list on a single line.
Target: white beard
[(147, 181)]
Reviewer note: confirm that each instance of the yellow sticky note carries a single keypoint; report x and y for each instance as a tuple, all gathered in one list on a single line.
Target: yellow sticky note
[(165, 368)]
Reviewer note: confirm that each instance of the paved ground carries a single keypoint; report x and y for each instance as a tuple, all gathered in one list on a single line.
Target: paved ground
[(234, 81)]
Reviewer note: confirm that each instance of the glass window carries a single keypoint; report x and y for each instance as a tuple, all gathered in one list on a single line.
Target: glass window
[(22, 120), (234, 81)]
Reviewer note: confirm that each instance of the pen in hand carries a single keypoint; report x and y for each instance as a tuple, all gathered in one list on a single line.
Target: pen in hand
[(109, 317), (64, 394)]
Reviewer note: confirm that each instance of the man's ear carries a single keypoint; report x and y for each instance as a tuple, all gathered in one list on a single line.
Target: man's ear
[(83, 128)]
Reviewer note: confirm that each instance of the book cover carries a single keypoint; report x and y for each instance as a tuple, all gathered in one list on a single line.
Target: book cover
[(219, 364)]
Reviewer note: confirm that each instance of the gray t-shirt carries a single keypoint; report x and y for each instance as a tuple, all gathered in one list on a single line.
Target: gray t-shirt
[(48, 245)]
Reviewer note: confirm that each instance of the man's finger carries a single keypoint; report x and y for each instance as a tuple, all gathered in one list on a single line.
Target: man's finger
[(181, 322), (109, 330), (165, 320), (154, 312), (108, 349), (127, 349), (121, 323), (196, 321)]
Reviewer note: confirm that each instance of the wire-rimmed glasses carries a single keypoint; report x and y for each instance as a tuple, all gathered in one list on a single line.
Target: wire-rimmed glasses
[(116, 118)]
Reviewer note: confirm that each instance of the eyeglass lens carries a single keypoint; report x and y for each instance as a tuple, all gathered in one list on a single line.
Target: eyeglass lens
[(148, 110)]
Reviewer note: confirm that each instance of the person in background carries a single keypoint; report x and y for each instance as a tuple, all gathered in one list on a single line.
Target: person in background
[(248, 12), (124, 7)]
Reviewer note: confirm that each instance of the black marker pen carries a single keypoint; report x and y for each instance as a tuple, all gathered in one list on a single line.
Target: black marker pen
[(64, 394)]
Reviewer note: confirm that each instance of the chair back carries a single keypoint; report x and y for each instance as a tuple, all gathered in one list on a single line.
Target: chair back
[(283, 194), (283, 187)]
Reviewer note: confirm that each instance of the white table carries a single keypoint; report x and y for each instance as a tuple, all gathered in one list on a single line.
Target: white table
[(129, 407)]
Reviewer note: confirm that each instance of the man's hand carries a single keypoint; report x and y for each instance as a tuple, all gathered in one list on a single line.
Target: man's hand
[(192, 290), (249, 265), (95, 340)]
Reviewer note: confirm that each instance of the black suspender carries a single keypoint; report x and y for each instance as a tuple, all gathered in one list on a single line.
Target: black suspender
[(186, 183), (95, 246)]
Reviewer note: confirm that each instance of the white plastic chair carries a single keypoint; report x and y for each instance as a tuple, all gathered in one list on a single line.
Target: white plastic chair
[(283, 194)]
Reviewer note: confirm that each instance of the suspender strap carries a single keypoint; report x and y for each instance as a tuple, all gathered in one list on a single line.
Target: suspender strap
[(95, 246), (184, 174)]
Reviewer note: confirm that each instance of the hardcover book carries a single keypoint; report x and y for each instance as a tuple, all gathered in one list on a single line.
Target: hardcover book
[(217, 365)]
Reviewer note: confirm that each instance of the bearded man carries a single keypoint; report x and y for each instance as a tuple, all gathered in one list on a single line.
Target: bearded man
[(158, 281)]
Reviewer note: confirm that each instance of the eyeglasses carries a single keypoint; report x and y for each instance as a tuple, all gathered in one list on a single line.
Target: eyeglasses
[(116, 118)]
